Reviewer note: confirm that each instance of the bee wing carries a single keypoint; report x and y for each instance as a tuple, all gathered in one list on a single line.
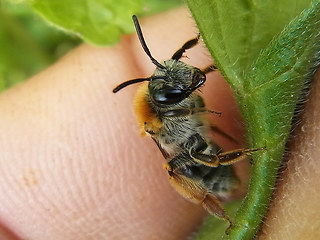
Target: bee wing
[(165, 154), (196, 192)]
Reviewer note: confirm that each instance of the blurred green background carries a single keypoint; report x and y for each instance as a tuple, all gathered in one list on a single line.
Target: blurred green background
[(27, 43)]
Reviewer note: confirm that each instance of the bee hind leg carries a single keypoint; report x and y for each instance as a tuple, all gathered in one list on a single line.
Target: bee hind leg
[(214, 207), (195, 190)]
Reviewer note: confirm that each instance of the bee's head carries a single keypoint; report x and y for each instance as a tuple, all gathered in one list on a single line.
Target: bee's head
[(173, 81)]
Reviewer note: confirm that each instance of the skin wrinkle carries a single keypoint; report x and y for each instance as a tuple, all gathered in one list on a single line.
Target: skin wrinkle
[(75, 178)]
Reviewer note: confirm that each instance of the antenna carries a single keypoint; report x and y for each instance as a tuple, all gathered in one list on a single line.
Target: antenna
[(143, 43), (127, 83), (137, 80)]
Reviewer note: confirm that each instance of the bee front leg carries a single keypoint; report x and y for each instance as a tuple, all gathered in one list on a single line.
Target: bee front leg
[(192, 42), (210, 68), (187, 112)]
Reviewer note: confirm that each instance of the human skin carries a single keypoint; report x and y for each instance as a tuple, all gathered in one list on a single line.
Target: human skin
[(73, 165), (295, 209)]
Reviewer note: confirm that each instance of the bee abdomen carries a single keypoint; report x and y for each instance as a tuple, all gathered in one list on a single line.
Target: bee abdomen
[(221, 180)]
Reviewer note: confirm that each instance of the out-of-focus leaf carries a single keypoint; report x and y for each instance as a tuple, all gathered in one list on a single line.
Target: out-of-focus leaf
[(97, 21), (27, 44), (100, 22)]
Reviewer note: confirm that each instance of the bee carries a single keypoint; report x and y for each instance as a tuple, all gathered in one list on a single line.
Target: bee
[(169, 108)]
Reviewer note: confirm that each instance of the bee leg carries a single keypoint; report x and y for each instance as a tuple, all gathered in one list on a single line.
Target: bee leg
[(152, 127), (230, 157), (225, 158), (197, 146), (184, 112), (178, 54), (201, 152), (165, 154), (210, 68), (212, 204), (194, 190), (223, 133)]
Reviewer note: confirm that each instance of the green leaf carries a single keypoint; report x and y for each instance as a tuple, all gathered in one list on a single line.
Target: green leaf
[(268, 82), (12, 37), (96, 20), (208, 232), (236, 31), (155, 6), (99, 22), (271, 92)]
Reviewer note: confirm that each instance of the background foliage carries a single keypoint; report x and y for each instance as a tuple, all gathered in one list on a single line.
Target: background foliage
[(34, 34)]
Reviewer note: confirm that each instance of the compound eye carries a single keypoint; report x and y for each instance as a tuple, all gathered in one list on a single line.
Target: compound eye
[(167, 96)]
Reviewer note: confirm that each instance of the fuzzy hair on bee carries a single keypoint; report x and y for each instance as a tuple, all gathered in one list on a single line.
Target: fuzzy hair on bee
[(169, 108)]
